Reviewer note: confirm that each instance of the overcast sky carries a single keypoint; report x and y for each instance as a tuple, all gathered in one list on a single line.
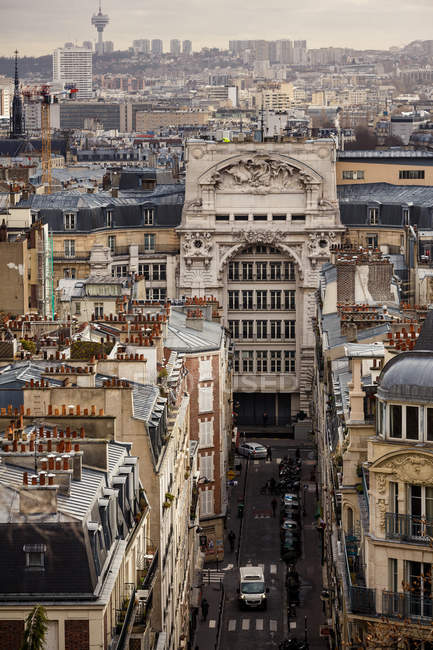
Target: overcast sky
[(37, 27)]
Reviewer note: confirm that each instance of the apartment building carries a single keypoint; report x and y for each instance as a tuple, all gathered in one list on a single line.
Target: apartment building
[(73, 65), (258, 221), (394, 166)]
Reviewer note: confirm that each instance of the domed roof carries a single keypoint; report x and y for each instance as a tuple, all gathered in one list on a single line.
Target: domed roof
[(408, 376)]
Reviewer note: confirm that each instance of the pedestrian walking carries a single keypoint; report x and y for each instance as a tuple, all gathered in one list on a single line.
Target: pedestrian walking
[(204, 608), (274, 504), (265, 418), (232, 538), (269, 453)]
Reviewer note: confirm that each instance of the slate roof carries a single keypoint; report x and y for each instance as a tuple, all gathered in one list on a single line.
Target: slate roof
[(182, 338), (421, 195), (425, 339)]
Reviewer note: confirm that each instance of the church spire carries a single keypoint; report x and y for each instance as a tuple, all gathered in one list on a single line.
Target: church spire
[(17, 117)]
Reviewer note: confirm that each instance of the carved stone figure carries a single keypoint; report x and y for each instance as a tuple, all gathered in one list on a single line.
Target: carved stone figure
[(198, 245), (412, 468), (261, 236), (381, 510), (261, 175), (381, 483)]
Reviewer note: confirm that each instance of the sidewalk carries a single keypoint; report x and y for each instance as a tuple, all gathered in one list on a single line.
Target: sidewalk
[(206, 634)]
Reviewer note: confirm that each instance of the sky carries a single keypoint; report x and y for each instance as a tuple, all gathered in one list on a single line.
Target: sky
[(36, 28)]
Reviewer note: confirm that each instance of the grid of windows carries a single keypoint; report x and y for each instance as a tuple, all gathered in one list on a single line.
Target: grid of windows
[(156, 293), (273, 361), (120, 271), (262, 329), (409, 174), (264, 299), (350, 174)]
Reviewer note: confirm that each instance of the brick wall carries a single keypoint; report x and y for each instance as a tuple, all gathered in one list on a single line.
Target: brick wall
[(379, 280), (345, 282), (77, 635), (11, 634)]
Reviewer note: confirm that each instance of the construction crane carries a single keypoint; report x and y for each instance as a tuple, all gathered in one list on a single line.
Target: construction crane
[(46, 96)]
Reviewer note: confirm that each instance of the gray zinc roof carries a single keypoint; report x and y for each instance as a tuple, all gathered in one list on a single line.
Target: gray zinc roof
[(182, 338)]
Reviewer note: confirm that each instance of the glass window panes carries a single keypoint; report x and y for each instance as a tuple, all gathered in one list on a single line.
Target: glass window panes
[(412, 428), (395, 428)]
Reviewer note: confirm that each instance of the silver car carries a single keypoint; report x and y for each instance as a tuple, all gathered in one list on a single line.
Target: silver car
[(252, 450)]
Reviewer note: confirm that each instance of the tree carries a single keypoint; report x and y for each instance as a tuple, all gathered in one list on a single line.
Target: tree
[(364, 139), (35, 629)]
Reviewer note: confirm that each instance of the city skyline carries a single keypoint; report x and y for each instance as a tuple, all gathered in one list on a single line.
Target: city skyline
[(357, 24)]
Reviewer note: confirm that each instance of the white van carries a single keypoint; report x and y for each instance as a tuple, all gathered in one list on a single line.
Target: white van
[(252, 591)]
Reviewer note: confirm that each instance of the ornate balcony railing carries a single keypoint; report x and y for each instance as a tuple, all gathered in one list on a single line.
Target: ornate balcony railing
[(407, 606), (417, 530)]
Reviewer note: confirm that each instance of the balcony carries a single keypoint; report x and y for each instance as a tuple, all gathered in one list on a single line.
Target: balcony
[(407, 528), (407, 606), (363, 600)]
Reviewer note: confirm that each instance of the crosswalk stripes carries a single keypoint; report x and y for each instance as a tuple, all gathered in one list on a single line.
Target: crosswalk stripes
[(246, 623), (212, 575)]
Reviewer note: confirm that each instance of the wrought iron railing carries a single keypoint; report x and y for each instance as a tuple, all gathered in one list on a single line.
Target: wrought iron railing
[(418, 530), (363, 600), (408, 606)]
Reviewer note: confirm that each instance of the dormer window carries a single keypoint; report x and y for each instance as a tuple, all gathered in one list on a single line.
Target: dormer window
[(109, 218), (35, 556), (148, 214), (70, 221), (373, 216)]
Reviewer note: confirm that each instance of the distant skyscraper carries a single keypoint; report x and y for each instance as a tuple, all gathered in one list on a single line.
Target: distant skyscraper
[(100, 21), (141, 46), (73, 65), (17, 118), (88, 45), (175, 46), (108, 47), (157, 46), (187, 48)]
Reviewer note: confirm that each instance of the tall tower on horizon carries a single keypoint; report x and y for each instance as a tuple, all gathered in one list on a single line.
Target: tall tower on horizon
[(100, 21), (17, 117)]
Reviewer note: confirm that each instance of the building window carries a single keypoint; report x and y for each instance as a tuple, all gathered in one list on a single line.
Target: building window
[(234, 329), (289, 361), (241, 217), (206, 466), (159, 272), (275, 271), (205, 435), (78, 308), (98, 310), (275, 329), (411, 174), (260, 217), (290, 299), (236, 361), (247, 299), (412, 423), (275, 299), (144, 270), (275, 360), (247, 329), (148, 216), (157, 293), (372, 241), (289, 271), (70, 221), (35, 556), (429, 419), (298, 217), (262, 299), (149, 242), (289, 329), (247, 361), (69, 274), (395, 428), (262, 329), (119, 271), (233, 299), (404, 422), (206, 501), (261, 250), (261, 268), (406, 216), (112, 243), (109, 218), (69, 247), (205, 399), (357, 175), (234, 271), (221, 217), (262, 360), (278, 217), (247, 270), (373, 216)]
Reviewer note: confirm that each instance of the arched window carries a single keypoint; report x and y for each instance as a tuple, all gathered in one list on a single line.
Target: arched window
[(349, 521)]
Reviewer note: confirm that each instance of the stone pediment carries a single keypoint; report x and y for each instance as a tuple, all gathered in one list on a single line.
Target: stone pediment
[(260, 174)]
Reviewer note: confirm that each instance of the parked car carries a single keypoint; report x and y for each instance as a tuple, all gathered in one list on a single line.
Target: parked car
[(252, 449)]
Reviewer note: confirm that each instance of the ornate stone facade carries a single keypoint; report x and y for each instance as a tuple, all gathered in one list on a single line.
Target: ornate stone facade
[(231, 190)]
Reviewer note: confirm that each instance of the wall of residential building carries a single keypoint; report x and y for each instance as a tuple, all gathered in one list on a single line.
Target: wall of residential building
[(149, 121), (15, 290), (400, 173)]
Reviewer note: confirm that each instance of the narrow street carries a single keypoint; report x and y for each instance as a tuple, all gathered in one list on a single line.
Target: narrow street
[(258, 543)]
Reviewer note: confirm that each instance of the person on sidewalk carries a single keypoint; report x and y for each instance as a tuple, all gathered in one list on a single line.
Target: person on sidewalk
[(265, 419), (232, 538), (274, 504), (269, 453), (204, 608)]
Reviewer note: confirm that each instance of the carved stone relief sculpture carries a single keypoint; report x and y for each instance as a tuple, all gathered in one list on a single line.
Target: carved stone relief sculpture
[(261, 175), (197, 245)]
